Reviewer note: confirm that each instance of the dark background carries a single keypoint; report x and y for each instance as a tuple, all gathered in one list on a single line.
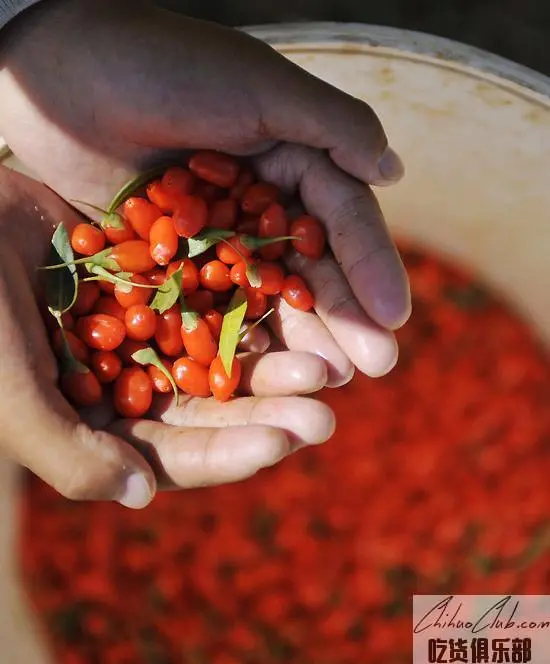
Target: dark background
[(515, 30)]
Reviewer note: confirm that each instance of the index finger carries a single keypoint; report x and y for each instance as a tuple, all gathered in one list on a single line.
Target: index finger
[(356, 229)]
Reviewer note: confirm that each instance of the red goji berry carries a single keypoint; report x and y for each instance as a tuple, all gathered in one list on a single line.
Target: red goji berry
[(312, 236), (258, 197), (189, 274), (221, 384), (164, 240), (273, 223), (199, 342), (178, 181), (232, 250), (191, 377), (107, 304), (141, 214), (133, 256), (223, 214), (133, 392), (190, 216), (214, 320), (215, 276), (128, 298), (140, 321), (106, 365), (87, 295), (168, 334), (159, 381), (296, 293), (82, 388), (87, 240), (100, 331), (215, 167)]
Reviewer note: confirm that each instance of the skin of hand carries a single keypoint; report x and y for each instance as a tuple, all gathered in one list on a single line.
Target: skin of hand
[(94, 455), (94, 91)]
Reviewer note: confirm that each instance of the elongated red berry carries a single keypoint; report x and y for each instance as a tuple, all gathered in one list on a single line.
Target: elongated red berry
[(77, 347), (141, 322), (101, 331), (168, 332), (178, 181), (141, 214), (215, 167), (189, 274), (190, 216), (215, 276), (258, 197), (311, 234), (191, 377), (296, 293), (87, 240), (128, 297), (108, 305), (87, 295), (133, 256), (81, 387), (133, 392), (159, 380), (256, 304), (106, 365), (273, 223), (223, 214), (163, 240), (199, 342), (232, 250), (221, 384)]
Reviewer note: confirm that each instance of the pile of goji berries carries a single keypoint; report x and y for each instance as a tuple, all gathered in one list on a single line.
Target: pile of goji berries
[(435, 482), (153, 297)]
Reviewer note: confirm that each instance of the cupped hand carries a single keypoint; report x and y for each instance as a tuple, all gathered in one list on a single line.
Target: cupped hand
[(95, 90), (94, 455)]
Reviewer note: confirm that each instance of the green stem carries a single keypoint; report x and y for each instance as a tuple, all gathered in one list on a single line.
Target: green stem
[(249, 328), (251, 274), (130, 187), (96, 259), (252, 242), (104, 275)]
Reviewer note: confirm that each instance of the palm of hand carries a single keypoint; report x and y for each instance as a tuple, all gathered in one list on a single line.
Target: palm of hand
[(200, 442)]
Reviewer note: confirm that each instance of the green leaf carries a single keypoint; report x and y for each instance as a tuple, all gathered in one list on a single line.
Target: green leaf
[(130, 187), (61, 285), (168, 293), (253, 276), (207, 238), (231, 329), (189, 318), (148, 356)]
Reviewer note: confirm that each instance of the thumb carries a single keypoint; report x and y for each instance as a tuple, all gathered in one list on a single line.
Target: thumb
[(300, 108), (39, 428)]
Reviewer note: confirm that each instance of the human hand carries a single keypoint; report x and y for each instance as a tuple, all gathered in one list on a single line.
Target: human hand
[(93, 454), (95, 90)]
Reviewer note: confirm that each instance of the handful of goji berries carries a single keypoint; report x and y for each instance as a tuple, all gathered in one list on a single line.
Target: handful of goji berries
[(154, 297)]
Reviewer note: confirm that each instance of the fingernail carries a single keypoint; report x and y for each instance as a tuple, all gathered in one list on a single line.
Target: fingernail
[(137, 492), (391, 167)]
